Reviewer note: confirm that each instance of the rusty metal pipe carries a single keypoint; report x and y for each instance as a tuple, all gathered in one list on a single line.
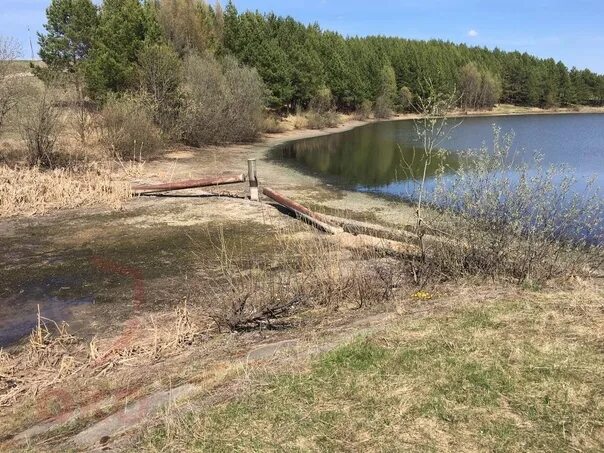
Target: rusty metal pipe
[(190, 184)]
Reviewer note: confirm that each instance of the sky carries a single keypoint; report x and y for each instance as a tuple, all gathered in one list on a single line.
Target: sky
[(571, 31)]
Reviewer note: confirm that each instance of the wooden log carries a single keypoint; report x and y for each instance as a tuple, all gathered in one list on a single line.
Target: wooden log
[(355, 241), (301, 211), (253, 179), (357, 227), (288, 202), (189, 184)]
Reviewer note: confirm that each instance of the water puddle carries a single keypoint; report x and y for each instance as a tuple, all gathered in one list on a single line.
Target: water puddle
[(98, 283), (18, 317)]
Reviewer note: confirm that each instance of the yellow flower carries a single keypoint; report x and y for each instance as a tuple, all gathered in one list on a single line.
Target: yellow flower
[(422, 295)]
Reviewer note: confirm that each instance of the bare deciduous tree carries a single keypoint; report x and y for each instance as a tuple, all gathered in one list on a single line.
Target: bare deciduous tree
[(480, 90), (160, 73), (40, 124), (10, 50), (224, 101), (432, 129)]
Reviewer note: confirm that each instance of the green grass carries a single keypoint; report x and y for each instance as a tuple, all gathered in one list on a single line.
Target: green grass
[(510, 377)]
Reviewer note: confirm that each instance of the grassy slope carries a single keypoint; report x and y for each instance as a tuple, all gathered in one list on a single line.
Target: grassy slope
[(510, 376)]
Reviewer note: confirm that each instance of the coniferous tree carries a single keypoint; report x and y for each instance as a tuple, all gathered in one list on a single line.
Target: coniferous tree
[(124, 28), (297, 61), (70, 30), (567, 93)]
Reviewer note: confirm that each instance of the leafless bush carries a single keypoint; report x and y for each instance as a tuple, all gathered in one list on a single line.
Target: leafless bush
[(312, 273), (364, 111), (40, 124), (322, 120), (82, 113), (272, 124), (160, 73), (299, 120), (498, 214), (128, 128), (322, 101), (10, 84), (405, 99), (321, 113), (382, 108), (223, 102)]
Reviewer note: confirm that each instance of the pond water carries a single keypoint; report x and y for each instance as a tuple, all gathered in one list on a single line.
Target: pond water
[(377, 157)]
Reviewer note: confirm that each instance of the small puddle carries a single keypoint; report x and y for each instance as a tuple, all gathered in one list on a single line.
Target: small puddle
[(97, 284), (18, 317)]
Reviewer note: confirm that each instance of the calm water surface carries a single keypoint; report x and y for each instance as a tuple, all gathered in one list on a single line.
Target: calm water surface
[(376, 157)]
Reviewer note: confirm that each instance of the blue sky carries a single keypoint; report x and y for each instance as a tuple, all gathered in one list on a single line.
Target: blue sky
[(571, 31)]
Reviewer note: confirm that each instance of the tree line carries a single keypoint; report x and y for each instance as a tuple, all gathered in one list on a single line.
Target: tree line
[(296, 60), (123, 45)]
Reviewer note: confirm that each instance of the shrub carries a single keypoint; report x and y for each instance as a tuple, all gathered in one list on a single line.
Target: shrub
[(160, 75), (272, 124), (299, 120), (382, 108), (224, 102), (10, 84), (40, 125), (364, 111), (127, 127), (316, 120), (523, 221), (322, 101), (405, 99)]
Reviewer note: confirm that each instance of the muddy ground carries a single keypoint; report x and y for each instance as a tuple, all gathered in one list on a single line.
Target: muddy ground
[(83, 266)]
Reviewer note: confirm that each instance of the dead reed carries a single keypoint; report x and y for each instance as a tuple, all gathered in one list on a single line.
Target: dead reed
[(306, 271), (31, 190), (52, 356)]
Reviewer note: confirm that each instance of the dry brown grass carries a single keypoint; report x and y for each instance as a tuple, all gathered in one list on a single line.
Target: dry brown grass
[(298, 121), (272, 124), (32, 191), (53, 358), (307, 271)]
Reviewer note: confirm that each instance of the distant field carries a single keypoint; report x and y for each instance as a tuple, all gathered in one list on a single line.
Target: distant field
[(20, 66)]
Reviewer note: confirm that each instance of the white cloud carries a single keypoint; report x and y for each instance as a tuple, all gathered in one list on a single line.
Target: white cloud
[(472, 33)]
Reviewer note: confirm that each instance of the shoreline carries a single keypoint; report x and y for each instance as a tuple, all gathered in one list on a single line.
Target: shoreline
[(279, 138), (183, 162)]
